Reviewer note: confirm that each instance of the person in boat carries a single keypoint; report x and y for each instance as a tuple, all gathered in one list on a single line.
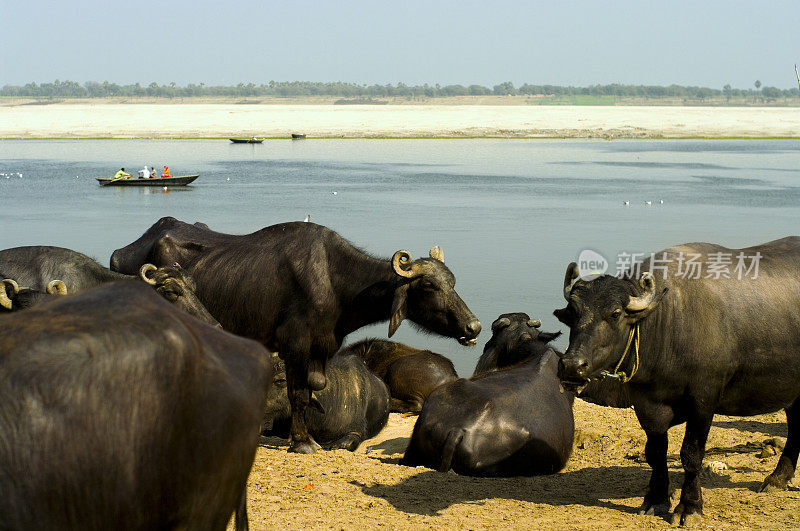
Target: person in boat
[(165, 173), (153, 172), (145, 173), (121, 174)]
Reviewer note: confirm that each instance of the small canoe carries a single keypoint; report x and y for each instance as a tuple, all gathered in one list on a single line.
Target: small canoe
[(297, 136), (178, 180), (246, 140)]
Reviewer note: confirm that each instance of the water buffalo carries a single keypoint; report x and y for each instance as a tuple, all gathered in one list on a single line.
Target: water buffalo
[(41, 269), (410, 373), (300, 288), (692, 343), (37, 265), (517, 337), (108, 421), (354, 405), (515, 421), (13, 298)]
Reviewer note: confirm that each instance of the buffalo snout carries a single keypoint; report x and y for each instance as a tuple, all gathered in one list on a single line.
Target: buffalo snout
[(574, 369)]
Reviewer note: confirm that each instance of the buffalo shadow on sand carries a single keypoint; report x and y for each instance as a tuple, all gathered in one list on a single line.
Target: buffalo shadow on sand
[(430, 492)]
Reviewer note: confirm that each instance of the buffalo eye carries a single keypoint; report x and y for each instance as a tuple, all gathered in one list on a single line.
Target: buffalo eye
[(427, 285), (616, 313)]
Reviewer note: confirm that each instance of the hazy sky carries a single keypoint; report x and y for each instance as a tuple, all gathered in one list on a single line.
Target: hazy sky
[(579, 42)]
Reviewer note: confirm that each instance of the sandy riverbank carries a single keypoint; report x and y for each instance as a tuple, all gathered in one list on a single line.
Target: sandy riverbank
[(89, 120), (601, 487)]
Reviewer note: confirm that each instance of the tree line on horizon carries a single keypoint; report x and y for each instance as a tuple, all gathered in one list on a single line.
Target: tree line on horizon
[(92, 89)]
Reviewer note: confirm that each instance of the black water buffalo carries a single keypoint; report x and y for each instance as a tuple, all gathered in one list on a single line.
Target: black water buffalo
[(13, 297), (37, 265), (110, 422), (354, 405), (516, 337), (410, 373), (40, 269), (300, 288), (693, 343), (515, 421)]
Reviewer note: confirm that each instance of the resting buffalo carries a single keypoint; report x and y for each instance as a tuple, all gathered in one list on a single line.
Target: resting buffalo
[(410, 373), (40, 269), (692, 343), (354, 405), (300, 288), (515, 421), (517, 337), (108, 421)]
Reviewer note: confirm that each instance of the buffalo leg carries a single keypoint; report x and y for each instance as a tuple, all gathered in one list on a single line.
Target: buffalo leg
[(656, 420), (656, 501), (299, 398), (693, 450), (779, 479)]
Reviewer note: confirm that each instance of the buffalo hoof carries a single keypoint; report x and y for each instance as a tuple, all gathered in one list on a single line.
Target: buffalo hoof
[(685, 515), (654, 509), (304, 447), (773, 484), (349, 442)]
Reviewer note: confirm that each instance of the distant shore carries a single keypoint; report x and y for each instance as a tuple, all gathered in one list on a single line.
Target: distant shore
[(324, 120)]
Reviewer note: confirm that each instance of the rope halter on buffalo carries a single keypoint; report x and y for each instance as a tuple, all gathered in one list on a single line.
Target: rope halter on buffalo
[(633, 337)]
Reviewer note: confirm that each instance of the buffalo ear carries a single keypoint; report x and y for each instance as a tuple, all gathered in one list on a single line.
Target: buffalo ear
[(171, 248), (564, 315), (547, 337), (398, 309)]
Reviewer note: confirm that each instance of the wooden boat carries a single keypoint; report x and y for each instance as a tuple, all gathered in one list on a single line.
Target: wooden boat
[(178, 180), (246, 140), (297, 136)]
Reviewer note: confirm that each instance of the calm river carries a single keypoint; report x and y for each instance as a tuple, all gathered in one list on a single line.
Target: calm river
[(509, 214)]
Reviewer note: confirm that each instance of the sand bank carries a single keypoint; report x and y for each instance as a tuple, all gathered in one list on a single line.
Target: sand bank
[(88, 120), (601, 487)]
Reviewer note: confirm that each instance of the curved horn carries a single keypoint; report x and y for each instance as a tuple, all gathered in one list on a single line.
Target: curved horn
[(534, 323), (56, 287), (437, 253), (648, 284), (400, 260), (5, 302), (500, 323), (143, 273), (569, 276)]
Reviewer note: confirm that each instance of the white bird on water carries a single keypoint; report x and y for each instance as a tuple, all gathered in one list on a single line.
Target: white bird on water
[(626, 203), (308, 218), (648, 203), (334, 193), (660, 201)]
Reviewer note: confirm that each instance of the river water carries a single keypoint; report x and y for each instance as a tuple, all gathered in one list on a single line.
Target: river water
[(509, 214)]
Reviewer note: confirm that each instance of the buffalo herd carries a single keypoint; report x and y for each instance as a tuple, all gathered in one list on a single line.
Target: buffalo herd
[(135, 396)]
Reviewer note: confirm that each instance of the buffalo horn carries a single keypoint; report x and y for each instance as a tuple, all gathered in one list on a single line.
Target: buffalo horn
[(647, 283), (437, 253), (143, 273), (5, 302), (400, 261), (534, 323), (56, 287), (569, 276), (500, 323)]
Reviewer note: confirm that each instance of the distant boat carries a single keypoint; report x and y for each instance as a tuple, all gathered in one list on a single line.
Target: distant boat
[(297, 136), (178, 180), (253, 140)]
